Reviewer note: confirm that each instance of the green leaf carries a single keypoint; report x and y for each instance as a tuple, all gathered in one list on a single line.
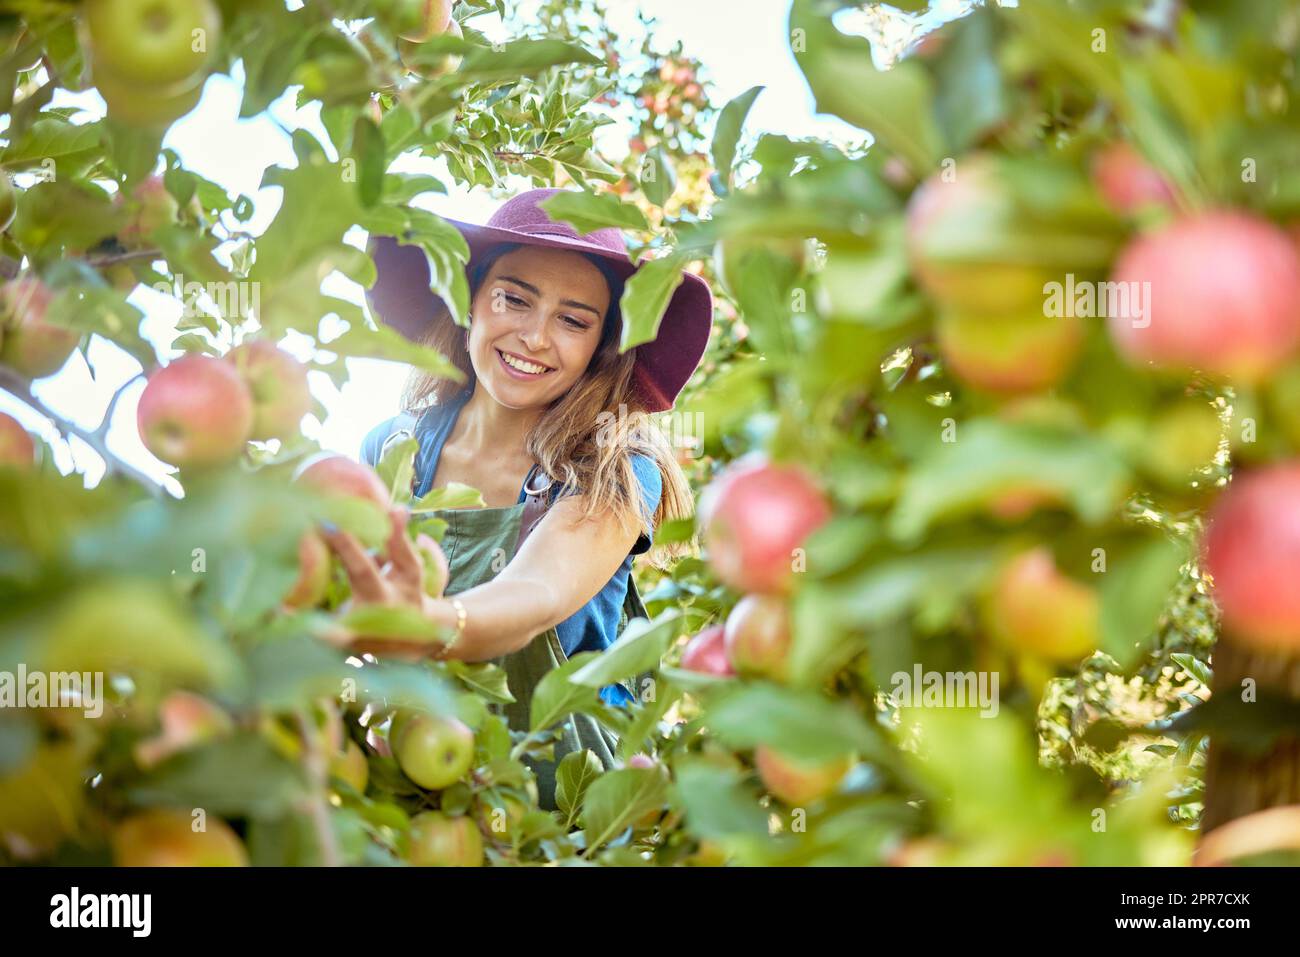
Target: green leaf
[(451, 495), (658, 178), (384, 342), (556, 697), (448, 252), (587, 212), (676, 530), (1134, 591), (726, 134), (638, 649), (989, 457), (972, 97), (398, 466), (646, 296), (895, 105), (716, 800), (618, 799), (368, 152), (484, 678), (518, 57), (576, 771), (238, 776), (801, 723)]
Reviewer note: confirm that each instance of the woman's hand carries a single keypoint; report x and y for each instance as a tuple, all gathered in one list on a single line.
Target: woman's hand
[(399, 582)]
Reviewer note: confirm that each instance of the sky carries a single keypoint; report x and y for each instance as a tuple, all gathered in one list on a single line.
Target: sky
[(742, 43)]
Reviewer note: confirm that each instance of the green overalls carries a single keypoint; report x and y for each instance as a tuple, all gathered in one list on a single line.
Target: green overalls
[(479, 542)]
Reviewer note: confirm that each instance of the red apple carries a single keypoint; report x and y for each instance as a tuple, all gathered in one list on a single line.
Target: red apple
[(313, 573), (278, 383), (1035, 609), (441, 841), (1019, 352), (1224, 296), (797, 781), (195, 411), (31, 346), (152, 207), (430, 19), (436, 570), (409, 50), (755, 516), (707, 653), (17, 450), (757, 636), (340, 475), (1127, 182), (945, 219), (1252, 552)]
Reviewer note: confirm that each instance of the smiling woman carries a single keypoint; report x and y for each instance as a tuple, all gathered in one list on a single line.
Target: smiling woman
[(543, 572)]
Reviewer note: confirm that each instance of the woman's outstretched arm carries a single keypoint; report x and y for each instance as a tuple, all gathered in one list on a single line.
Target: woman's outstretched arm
[(562, 565)]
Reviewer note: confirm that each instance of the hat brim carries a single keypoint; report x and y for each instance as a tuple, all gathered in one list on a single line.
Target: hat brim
[(401, 298)]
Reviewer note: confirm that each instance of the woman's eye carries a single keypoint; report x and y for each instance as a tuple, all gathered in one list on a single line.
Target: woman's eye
[(575, 322), (514, 300)]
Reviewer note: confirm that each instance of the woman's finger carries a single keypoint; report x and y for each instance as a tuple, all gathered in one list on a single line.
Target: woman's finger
[(405, 560), (362, 571)]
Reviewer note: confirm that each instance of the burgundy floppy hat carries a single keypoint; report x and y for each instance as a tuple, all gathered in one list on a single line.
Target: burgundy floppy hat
[(401, 296)]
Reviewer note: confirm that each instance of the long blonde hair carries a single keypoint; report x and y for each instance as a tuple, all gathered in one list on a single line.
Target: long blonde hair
[(586, 438)]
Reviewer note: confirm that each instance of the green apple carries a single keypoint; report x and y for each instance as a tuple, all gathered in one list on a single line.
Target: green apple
[(351, 767), (434, 751), (1009, 353), (152, 43), (437, 840), (166, 837)]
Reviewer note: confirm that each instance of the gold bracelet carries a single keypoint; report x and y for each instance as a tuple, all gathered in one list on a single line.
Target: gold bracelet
[(462, 616)]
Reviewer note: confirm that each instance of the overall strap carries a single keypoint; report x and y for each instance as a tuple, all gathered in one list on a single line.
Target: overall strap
[(536, 502)]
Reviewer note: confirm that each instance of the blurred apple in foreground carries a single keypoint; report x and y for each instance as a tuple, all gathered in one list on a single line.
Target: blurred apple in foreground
[(437, 840), (1224, 296), (797, 781), (165, 837), (755, 516), (757, 636), (1033, 608), (706, 653), (1252, 552)]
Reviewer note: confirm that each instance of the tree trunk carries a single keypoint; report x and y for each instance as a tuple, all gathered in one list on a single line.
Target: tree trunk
[(1237, 784)]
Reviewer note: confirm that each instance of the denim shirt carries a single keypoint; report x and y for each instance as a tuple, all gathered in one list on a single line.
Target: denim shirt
[(594, 626)]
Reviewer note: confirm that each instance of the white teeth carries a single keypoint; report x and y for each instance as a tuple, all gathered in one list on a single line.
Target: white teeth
[(521, 365)]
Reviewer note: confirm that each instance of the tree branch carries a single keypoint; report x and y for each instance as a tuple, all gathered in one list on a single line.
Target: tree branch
[(17, 386)]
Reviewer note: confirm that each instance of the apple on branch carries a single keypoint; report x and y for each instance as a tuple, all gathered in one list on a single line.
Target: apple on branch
[(195, 412)]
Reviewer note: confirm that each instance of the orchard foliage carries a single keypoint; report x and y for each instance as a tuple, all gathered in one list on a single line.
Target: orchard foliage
[(942, 472)]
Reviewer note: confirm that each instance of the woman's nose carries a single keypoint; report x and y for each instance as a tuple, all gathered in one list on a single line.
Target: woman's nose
[(533, 332)]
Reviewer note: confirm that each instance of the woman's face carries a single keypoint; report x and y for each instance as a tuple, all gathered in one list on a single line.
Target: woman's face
[(537, 322)]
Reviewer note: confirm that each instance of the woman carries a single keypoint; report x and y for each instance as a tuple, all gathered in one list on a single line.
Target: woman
[(552, 427)]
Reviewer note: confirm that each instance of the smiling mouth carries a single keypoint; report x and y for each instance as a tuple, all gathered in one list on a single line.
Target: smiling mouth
[(521, 366)]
